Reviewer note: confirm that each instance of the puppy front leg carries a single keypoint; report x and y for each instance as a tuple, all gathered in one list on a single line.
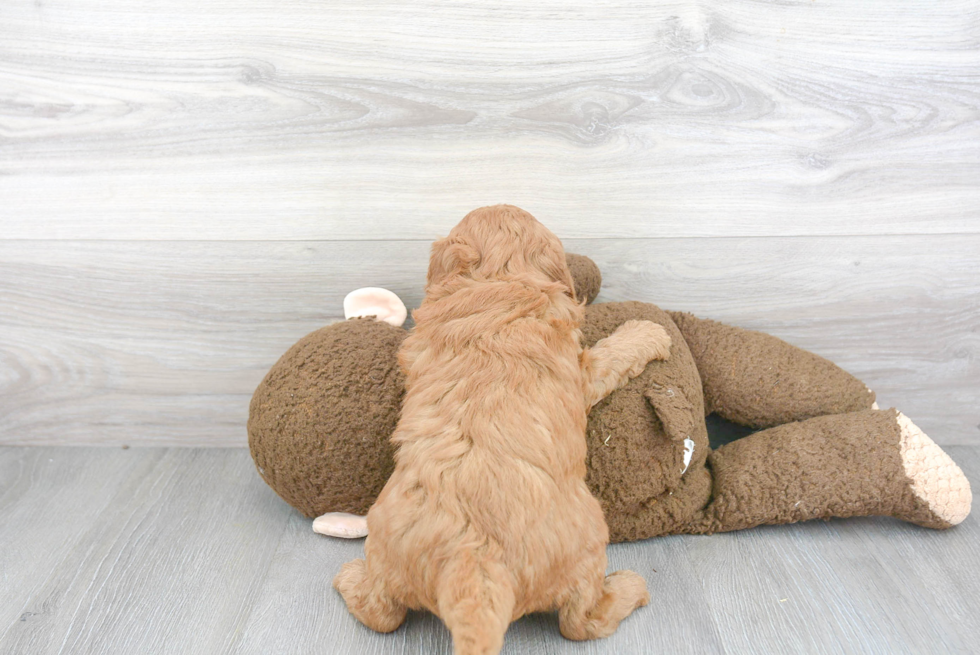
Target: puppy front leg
[(622, 355)]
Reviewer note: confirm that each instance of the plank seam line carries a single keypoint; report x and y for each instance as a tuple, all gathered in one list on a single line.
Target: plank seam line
[(420, 240)]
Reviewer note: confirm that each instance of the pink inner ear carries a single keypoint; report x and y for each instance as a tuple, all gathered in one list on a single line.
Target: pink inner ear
[(374, 301)]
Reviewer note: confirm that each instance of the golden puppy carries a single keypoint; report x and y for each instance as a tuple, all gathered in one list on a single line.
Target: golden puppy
[(486, 516)]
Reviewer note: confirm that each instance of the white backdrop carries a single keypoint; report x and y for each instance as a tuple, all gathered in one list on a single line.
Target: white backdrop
[(187, 188)]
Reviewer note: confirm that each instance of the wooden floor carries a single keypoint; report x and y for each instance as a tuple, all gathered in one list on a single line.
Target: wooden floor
[(170, 550)]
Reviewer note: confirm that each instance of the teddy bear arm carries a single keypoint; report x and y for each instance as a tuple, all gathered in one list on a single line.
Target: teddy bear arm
[(755, 379), (856, 464)]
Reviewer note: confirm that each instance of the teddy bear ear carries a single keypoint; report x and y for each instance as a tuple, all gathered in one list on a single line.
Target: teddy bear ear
[(374, 301)]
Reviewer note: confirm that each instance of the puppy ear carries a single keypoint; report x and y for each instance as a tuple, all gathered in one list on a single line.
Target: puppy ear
[(450, 257), (552, 263)]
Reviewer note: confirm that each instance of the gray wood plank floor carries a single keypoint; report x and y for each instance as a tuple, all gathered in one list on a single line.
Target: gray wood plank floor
[(151, 550)]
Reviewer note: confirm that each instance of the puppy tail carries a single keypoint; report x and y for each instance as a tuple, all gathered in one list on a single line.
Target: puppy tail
[(476, 602)]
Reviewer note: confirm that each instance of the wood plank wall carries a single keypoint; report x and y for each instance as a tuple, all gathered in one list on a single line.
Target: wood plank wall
[(187, 188)]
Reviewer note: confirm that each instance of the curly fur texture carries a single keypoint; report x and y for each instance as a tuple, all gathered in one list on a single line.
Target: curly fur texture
[(487, 516)]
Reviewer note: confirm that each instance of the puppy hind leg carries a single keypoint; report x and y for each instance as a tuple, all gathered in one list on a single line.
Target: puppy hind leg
[(597, 606), (476, 602), (367, 599)]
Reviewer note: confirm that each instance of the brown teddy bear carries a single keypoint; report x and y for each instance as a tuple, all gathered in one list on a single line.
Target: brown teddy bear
[(320, 420)]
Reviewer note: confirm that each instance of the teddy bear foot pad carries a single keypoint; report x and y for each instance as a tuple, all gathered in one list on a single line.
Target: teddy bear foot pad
[(341, 524), (936, 479)]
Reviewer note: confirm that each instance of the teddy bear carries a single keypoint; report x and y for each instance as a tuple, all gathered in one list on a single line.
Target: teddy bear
[(319, 424)]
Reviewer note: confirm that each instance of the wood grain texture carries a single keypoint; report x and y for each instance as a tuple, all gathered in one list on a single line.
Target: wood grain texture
[(173, 337), (377, 120), (155, 550), (166, 560)]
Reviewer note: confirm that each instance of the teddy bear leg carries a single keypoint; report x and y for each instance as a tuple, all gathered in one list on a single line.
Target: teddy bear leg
[(755, 379), (857, 464)]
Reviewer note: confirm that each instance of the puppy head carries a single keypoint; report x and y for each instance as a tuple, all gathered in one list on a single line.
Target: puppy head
[(499, 242)]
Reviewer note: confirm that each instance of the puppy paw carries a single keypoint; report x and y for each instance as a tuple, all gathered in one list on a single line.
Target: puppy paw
[(650, 341), (629, 587), (369, 603), (350, 579)]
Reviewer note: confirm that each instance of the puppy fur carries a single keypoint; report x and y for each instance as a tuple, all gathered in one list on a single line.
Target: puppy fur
[(486, 516)]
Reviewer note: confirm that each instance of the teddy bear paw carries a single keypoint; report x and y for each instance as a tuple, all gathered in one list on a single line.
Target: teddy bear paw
[(936, 479), (341, 524)]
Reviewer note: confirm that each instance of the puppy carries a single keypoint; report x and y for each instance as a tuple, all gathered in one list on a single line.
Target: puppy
[(487, 516)]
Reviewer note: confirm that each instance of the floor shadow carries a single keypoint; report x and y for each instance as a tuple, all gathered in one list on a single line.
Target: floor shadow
[(721, 431)]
